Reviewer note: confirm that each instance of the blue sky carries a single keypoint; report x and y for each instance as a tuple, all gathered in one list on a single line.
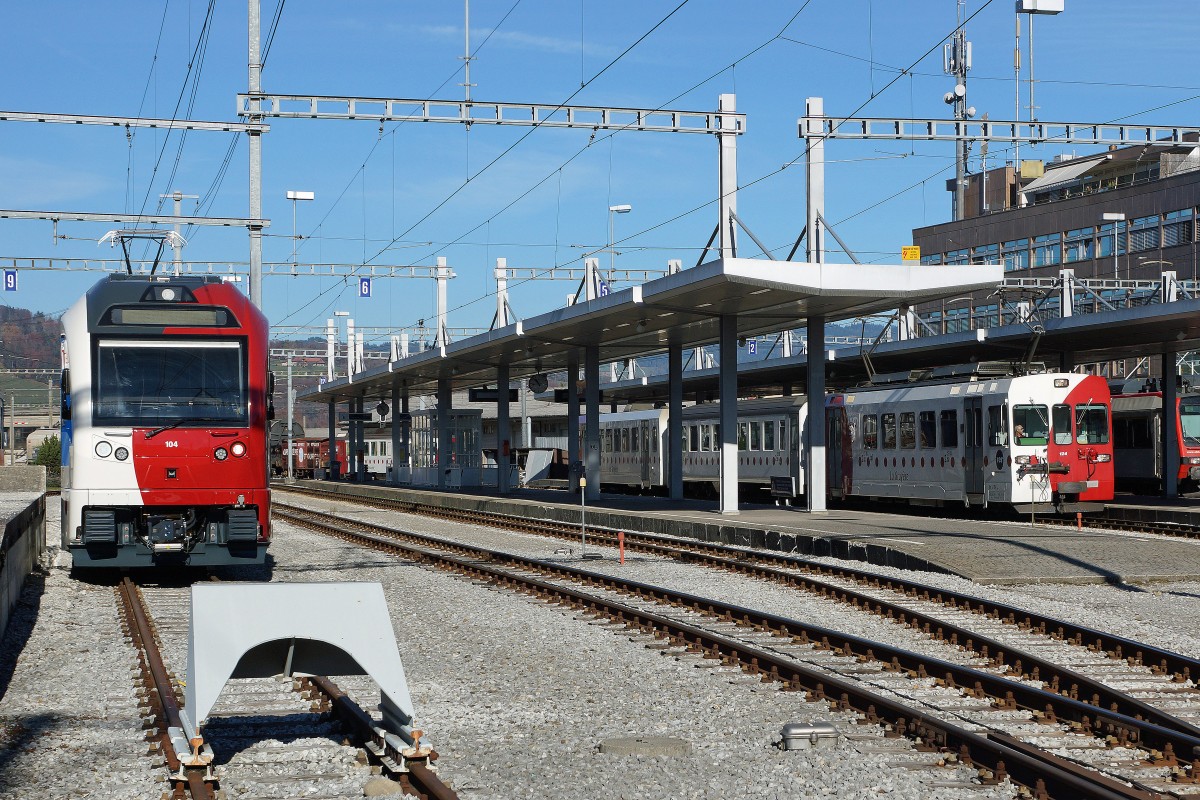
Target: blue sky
[(544, 202)]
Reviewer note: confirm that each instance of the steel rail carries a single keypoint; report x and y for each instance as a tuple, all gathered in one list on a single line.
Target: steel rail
[(930, 731), (163, 701), (412, 770), (1161, 661), (1178, 737)]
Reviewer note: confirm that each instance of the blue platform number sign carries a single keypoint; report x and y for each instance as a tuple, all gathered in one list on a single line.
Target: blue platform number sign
[(10, 280), (364, 287), (752, 347), (603, 289)]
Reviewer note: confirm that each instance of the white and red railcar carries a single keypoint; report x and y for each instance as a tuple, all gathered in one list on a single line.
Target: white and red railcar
[(166, 402), (1039, 442), (950, 438)]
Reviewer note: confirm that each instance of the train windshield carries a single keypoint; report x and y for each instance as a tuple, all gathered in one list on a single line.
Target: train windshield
[(1189, 421), (1091, 424), (149, 382), (1031, 425)]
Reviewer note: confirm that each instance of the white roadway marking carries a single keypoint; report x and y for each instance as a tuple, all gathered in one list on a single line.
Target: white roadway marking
[(893, 539)]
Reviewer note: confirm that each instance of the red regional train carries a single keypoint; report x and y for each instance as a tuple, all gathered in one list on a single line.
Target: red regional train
[(165, 407), (1138, 436), (309, 454)]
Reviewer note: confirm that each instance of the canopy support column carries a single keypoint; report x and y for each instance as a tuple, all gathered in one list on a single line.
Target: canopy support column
[(397, 448), (574, 453), (503, 430), (443, 431), (728, 414), (591, 444), (1170, 420), (329, 475), (675, 419), (814, 442)]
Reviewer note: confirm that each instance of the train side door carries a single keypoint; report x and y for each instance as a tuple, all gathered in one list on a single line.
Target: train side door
[(973, 411), (644, 455)]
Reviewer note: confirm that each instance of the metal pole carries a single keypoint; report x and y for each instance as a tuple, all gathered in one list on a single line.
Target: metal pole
[(1116, 263), (332, 438), (814, 173), (349, 348), (255, 65), (330, 347), (396, 443), (12, 430), (175, 245), (727, 202), (443, 430), (291, 402)]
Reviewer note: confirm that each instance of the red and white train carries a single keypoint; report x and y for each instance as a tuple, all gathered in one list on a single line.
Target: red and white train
[(166, 401), (959, 436)]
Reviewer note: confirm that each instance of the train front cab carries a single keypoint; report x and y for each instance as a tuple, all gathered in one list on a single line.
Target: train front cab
[(1061, 456)]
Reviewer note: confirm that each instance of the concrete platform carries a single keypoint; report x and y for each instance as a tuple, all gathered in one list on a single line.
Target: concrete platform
[(1155, 510), (985, 551)]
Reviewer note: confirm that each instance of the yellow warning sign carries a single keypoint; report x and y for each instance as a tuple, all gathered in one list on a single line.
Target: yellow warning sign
[(910, 253)]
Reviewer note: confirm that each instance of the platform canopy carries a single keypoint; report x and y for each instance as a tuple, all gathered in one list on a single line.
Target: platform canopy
[(684, 308), (1086, 338)]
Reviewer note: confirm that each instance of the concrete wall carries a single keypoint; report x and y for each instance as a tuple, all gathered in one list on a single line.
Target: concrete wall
[(24, 537)]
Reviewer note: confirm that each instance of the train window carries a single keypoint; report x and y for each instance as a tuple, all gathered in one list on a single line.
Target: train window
[(996, 433), (653, 443), (769, 435), (717, 436), (633, 440), (908, 430), (928, 429), (1061, 424), (888, 423), (1091, 424), (1129, 433), (706, 437), (742, 445), (870, 427), (756, 436), (1031, 425), (1189, 422), (624, 440), (949, 428), (694, 438)]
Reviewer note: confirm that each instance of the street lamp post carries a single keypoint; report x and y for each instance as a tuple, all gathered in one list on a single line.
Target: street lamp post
[(1115, 218), (624, 208), (294, 196)]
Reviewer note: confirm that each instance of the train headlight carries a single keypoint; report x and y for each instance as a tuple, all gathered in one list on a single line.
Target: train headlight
[(1103, 458), (1022, 459), (103, 449), (1192, 460), (221, 454), (1060, 383), (238, 449), (121, 453)]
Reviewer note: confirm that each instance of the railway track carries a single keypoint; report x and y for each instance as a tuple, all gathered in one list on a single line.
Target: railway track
[(918, 603), (766, 646), (289, 737)]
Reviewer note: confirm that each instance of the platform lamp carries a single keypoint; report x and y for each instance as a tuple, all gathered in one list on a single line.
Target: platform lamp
[(294, 196), (624, 208), (1115, 218)]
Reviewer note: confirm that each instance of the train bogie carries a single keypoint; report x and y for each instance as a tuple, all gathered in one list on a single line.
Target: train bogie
[(165, 407)]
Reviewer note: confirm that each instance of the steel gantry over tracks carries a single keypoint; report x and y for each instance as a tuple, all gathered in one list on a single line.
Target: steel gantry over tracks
[(722, 301)]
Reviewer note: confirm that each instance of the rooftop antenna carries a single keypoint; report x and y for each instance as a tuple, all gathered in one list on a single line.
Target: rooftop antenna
[(466, 56), (124, 237)]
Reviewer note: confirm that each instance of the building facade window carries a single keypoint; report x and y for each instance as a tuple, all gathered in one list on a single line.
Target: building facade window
[(932, 259), (1079, 245), (1047, 250), (958, 256), (986, 254), (1143, 234), (1016, 255), (1104, 240), (1178, 228)]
